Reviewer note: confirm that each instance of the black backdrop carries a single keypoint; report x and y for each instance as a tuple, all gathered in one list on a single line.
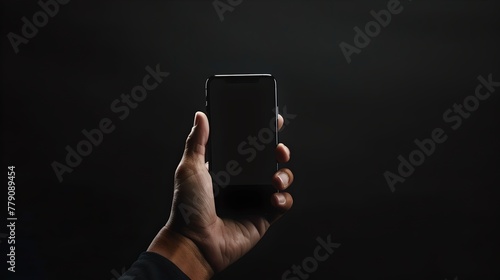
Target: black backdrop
[(352, 121)]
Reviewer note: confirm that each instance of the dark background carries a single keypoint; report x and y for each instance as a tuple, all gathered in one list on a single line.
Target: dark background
[(353, 120)]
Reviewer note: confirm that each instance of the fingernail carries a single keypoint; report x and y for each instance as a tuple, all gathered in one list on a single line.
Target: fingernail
[(284, 178), (281, 198), (195, 119)]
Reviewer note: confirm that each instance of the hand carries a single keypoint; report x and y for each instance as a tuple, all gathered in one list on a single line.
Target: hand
[(214, 242)]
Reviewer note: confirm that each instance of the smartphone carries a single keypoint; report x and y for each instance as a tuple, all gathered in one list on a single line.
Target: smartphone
[(242, 110)]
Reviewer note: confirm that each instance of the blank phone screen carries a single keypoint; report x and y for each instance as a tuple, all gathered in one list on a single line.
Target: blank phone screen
[(242, 116)]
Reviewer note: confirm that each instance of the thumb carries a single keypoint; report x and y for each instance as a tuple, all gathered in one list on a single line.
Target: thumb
[(197, 140)]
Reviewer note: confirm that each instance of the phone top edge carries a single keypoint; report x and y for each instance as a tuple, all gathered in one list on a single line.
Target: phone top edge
[(242, 75), (235, 75)]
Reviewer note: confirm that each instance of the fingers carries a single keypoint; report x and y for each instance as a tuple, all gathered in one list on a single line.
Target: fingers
[(282, 179), (281, 121), (282, 153), (197, 139), (282, 201)]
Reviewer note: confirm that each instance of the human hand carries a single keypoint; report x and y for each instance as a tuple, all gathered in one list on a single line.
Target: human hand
[(213, 242)]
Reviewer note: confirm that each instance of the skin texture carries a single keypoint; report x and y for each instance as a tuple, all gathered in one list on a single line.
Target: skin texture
[(199, 234)]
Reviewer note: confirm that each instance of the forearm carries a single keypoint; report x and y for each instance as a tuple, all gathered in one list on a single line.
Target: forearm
[(181, 251)]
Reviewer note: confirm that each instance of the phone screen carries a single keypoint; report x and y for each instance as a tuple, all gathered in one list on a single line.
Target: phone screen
[(242, 112)]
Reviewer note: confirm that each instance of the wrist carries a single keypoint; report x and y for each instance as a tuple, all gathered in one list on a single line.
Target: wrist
[(183, 252)]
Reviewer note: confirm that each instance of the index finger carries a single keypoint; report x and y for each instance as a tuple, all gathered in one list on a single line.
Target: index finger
[(281, 121)]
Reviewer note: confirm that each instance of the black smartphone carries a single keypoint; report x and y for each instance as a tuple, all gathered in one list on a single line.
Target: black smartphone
[(242, 111)]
